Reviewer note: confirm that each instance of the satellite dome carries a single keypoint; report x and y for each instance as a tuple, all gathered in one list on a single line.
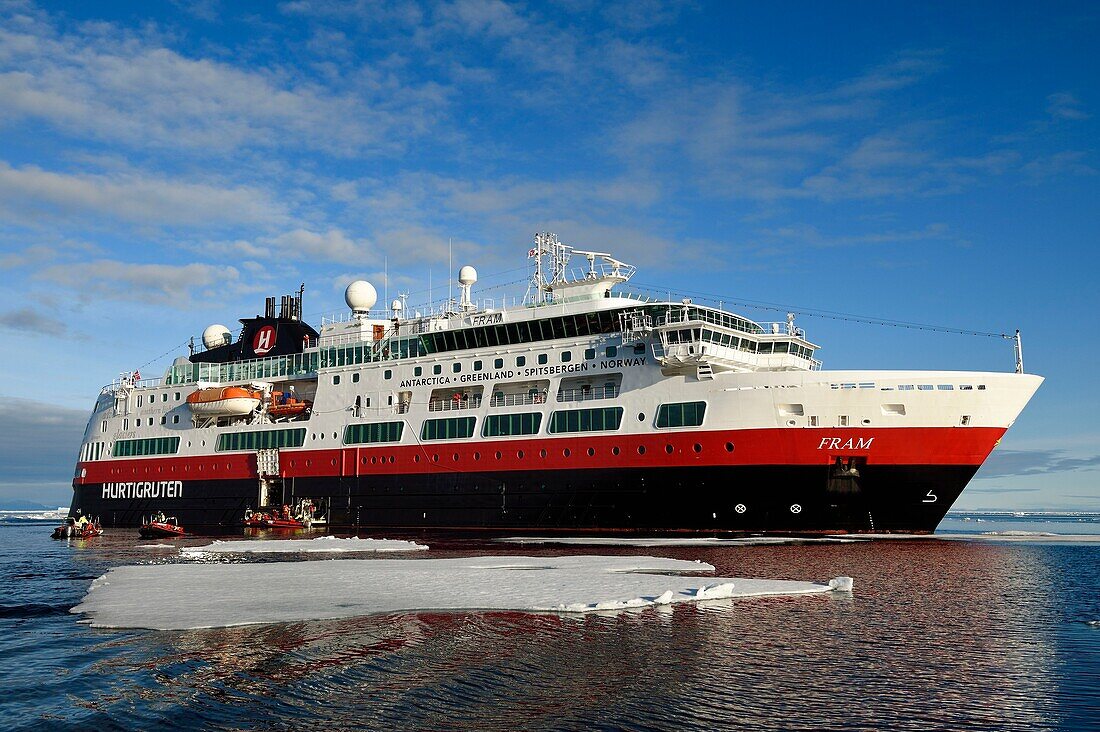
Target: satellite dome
[(467, 275), (360, 296), (396, 305), (215, 335)]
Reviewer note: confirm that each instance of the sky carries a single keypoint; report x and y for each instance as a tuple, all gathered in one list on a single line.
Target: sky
[(165, 166)]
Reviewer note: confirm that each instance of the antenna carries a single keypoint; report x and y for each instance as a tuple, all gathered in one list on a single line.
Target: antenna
[(386, 280), (450, 273)]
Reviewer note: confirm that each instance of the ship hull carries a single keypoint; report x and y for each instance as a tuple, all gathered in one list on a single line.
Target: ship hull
[(792, 499)]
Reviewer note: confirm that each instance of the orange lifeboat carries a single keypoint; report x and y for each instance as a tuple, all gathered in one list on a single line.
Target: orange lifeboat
[(285, 404), (223, 401)]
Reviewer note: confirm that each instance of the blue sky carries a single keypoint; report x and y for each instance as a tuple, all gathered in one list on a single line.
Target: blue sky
[(163, 167)]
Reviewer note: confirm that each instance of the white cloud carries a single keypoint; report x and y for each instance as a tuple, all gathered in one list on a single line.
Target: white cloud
[(1064, 105), (166, 284), (30, 194)]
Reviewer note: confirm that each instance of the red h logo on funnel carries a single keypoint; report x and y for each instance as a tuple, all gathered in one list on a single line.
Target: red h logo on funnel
[(264, 340)]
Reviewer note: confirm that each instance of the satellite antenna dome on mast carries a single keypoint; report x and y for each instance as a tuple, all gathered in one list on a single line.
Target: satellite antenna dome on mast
[(467, 275), (360, 297), (215, 335)]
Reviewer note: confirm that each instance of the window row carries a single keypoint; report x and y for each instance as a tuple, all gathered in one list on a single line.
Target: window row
[(266, 439), (528, 331), (682, 414), (147, 446), (365, 434)]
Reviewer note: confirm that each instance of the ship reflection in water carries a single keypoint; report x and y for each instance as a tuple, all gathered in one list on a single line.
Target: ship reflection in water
[(938, 635)]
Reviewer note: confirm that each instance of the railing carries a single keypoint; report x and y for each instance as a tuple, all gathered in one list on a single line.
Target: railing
[(450, 405), (401, 408), (515, 400), (251, 370), (697, 313), (584, 394)]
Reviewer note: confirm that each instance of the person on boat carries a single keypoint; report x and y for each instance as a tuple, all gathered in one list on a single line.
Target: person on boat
[(81, 520), (159, 517), (286, 512)]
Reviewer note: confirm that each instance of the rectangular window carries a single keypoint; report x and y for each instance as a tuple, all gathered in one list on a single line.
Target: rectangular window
[(681, 414), (842, 420), (521, 360), (503, 425), (418, 371), (589, 353), (639, 349), (586, 420), (265, 439), (477, 365), (355, 378), (566, 356), (365, 434), (498, 363), (151, 446), (542, 358), (336, 379), (456, 367), (387, 374), (454, 428), (610, 351)]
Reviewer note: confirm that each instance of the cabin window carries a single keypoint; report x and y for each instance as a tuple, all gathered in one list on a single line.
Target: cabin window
[(842, 420), (355, 378), (164, 397), (542, 358), (521, 360), (437, 369), (336, 379), (456, 367), (175, 419), (365, 434), (681, 414), (418, 371), (103, 426), (150, 446), (498, 363), (447, 429), (387, 374), (586, 420), (477, 365), (566, 356), (639, 349), (503, 425), (589, 353), (610, 351), (262, 440)]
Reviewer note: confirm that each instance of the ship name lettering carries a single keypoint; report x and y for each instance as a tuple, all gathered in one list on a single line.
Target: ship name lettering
[(144, 489), (839, 443), (486, 376), (487, 319), (425, 381), (623, 363)]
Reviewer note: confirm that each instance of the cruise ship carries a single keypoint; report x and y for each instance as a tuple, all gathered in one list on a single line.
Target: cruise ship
[(585, 409)]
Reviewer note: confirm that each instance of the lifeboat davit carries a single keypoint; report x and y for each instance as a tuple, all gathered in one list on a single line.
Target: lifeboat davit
[(161, 527), (224, 401)]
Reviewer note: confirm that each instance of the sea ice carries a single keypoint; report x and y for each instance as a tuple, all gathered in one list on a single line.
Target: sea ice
[(184, 596), (320, 544)]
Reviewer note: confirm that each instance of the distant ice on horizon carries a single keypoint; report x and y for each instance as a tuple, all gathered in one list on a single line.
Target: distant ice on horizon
[(222, 595), (320, 544)]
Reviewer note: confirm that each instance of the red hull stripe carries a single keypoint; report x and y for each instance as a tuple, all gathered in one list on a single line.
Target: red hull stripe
[(793, 446)]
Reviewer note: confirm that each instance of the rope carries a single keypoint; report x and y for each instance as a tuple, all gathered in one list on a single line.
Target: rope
[(833, 315)]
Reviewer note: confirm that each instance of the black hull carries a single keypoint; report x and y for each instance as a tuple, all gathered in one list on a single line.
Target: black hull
[(774, 499)]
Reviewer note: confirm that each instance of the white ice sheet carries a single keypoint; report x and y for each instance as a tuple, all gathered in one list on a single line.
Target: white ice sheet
[(320, 544), (220, 595)]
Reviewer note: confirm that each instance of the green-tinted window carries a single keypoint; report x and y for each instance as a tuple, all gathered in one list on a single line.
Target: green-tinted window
[(361, 434), (149, 446), (502, 425), (266, 439), (682, 414), (586, 420), (447, 429)]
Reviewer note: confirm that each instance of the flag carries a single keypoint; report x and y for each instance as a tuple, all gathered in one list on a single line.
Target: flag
[(137, 376), (532, 253)]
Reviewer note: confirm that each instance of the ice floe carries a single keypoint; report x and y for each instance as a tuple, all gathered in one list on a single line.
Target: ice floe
[(320, 544), (220, 595)]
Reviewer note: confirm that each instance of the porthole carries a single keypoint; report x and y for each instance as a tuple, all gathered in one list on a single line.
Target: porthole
[(498, 455), (729, 447), (591, 451), (565, 452), (392, 459), (333, 462), (697, 447), (454, 457), (335, 435), (866, 422), (519, 454), (416, 458), (641, 449), (542, 453), (477, 456), (364, 461), (615, 451), (668, 449), (435, 458), (373, 460), (791, 423), (641, 416)]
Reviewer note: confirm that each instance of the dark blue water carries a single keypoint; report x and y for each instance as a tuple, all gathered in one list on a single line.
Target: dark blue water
[(937, 635)]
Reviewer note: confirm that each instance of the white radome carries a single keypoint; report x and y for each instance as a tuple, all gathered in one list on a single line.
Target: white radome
[(396, 305), (467, 275), (360, 296), (215, 335)]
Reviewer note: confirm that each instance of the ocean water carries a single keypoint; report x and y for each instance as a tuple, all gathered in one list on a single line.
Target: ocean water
[(983, 634)]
